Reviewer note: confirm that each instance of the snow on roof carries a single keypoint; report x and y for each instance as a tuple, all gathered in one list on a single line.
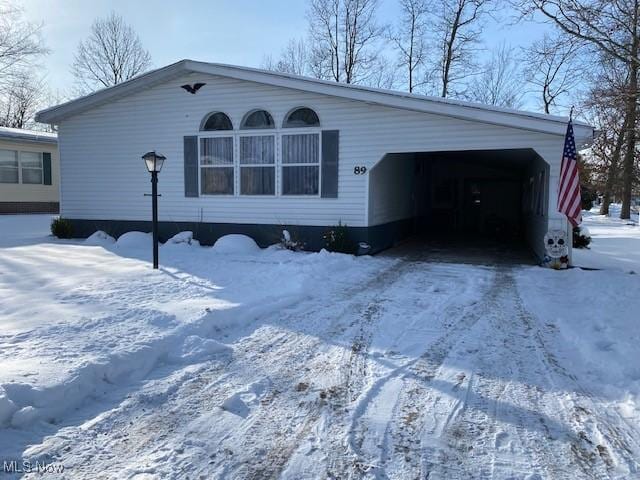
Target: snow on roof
[(392, 98), (27, 135)]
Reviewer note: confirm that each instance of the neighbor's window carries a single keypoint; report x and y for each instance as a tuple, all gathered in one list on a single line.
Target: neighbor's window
[(216, 166), (301, 164), (257, 119), (9, 166), (257, 165), (31, 166), (301, 117)]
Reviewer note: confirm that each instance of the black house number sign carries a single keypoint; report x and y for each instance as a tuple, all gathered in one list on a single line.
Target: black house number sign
[(359, 170)]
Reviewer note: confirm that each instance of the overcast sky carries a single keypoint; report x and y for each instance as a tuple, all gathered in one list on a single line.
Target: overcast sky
[(238, 32)]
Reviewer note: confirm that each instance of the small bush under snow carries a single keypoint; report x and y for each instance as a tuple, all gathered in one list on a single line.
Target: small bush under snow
[(135, 240), (61, 228), (100, 239), (581, 237), (235, 243)]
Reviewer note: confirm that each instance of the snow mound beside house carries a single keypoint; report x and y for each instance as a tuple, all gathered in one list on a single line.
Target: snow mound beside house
[(117, 320), (236, 243), (135, 240), (100, 239), (182, 237), (179, 242)]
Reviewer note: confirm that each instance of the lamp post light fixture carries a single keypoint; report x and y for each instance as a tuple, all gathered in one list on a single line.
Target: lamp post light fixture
[(153, 162)]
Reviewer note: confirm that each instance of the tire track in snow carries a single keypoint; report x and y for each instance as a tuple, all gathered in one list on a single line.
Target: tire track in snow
[(400, 449), (509, 404), (603, 438), (360, 317), (502, 432), (285, 352), (530, 413)]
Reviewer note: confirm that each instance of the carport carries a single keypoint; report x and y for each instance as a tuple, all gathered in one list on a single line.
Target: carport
[(471, 201)]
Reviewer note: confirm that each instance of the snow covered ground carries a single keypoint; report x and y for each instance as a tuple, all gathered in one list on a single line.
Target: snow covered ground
[(615, 243), (234, 362)]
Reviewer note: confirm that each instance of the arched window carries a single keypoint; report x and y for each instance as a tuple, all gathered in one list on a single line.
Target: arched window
[(301, 117), (257, 119), (216, 121)]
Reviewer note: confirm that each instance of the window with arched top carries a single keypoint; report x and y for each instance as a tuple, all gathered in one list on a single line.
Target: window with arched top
[(216, 121), (216, 155), (257, 119), (300, 118)]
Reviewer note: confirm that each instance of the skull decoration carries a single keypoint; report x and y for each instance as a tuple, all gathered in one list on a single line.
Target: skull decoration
[(555, 243)]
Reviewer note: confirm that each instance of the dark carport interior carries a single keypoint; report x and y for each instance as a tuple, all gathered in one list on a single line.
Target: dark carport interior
[(483, 200)]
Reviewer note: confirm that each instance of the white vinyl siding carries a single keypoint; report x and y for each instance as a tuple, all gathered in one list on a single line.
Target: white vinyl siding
[(112, 136)]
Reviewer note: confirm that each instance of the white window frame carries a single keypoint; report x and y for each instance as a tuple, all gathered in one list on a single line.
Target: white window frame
[(20, 167), (301, 131), (17, 156), (218, 134), (262, 132)]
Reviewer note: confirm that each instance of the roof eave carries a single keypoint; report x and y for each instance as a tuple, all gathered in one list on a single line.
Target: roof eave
[(146, 80), (468, 112)]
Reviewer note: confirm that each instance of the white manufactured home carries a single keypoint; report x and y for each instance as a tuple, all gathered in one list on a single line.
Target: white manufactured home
[(250, 151)]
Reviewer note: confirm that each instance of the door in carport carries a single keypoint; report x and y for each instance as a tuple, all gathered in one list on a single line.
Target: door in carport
[(492, 208)]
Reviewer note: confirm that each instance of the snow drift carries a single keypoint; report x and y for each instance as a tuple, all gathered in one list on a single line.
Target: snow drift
[(236, 244)]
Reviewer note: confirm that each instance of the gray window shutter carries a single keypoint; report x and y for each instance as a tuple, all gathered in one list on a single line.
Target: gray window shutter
[(329, 188), (191, 166), (46, 168)]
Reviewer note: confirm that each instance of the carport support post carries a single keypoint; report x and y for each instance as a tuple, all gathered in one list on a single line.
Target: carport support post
[(154, 227)]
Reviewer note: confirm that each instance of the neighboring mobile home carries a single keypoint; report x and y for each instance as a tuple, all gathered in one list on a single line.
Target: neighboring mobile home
[(29, 171), (253, 152)]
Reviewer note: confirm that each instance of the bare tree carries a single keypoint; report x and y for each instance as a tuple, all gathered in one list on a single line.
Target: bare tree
[(612, 28), (499, 83), (112, 54), (605, 106), (20, 43), (294, 59), (551, 67), (458, 26), (21, 100), (383, 74), (408, 38), (343, 34)]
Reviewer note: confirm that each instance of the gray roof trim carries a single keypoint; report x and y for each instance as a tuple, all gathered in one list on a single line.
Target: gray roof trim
[(420, 103), (32, 136)]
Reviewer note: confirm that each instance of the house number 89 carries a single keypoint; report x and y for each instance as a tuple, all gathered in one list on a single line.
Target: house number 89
[(359, 170)]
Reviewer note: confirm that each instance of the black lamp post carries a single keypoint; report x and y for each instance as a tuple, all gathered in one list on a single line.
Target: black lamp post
[(154, 162)]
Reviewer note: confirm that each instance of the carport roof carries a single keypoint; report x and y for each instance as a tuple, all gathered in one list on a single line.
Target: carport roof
[(391, 98)]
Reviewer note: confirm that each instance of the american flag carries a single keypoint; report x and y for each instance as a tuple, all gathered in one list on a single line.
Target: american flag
[(569, 200)]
